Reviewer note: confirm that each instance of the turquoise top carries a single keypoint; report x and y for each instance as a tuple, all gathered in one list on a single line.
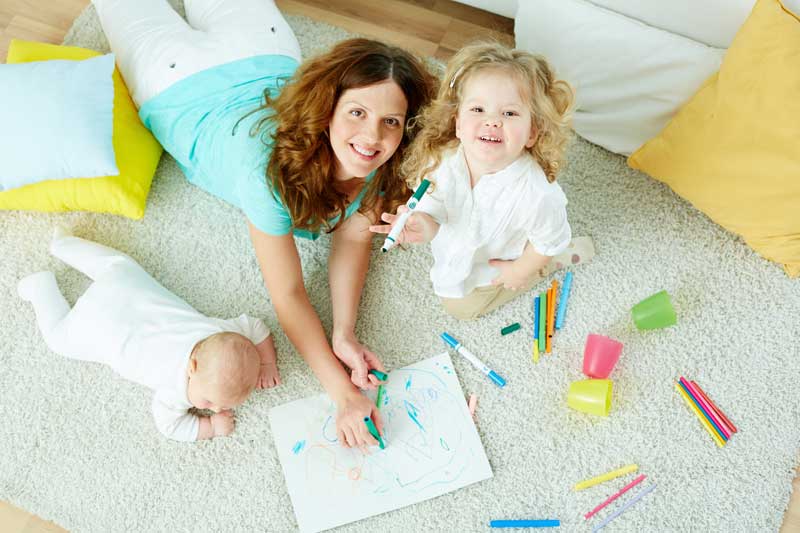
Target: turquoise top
[(203, 122)]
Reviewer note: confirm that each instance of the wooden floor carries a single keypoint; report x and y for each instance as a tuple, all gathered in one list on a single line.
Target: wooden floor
[(428, 27)]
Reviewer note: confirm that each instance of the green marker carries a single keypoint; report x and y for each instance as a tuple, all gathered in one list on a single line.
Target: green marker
[(379, 397), (383, 376), (542, 313), (374, 431)]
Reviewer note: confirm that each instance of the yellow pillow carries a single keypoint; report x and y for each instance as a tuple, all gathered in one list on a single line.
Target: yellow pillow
[(136, 150), (734, 149)]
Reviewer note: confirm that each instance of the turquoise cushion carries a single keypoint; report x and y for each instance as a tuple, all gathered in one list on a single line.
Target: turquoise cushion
[(57, 121)]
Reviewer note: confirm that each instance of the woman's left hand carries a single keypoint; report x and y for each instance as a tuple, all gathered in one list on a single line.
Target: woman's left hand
[(359, 359)]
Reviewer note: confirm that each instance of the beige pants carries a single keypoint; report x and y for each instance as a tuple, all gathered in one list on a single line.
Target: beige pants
[(486, 299), (483, 300)]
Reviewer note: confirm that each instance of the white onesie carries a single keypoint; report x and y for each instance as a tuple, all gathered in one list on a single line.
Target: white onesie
[(129, 321)]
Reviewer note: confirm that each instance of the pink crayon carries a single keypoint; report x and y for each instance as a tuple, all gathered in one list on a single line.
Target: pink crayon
[(711, 412), (622, 491)]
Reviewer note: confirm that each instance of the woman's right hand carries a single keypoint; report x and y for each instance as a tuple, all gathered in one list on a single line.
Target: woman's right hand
[(350, 427), (420, 227)]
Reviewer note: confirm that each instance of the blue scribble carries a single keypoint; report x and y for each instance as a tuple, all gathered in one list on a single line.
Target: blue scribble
[(408, 383), (329, 430), (299, 445), (444, 444), (413, 413)]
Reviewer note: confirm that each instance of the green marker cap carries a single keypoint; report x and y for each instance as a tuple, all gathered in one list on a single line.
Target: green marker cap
[(510, 328), (383, 376), (423, 186)]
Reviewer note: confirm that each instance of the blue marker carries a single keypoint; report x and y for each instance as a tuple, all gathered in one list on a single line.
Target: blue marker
[(525, 523), (562, 302), (458, 347)]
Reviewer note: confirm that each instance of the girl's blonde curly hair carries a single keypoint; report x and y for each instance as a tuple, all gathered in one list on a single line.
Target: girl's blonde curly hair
[(549, 100)]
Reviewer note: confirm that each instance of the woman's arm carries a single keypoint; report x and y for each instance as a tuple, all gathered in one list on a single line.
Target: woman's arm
[(280, 266), (347, 270)]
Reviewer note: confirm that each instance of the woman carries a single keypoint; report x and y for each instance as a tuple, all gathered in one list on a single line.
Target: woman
[(299, 149)]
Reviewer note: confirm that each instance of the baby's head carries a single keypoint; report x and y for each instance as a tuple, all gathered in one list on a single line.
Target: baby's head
[(223, 370), (498, 103)]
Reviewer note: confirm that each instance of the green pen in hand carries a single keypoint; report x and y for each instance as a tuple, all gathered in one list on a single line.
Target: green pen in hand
[(374, 431), (383, 376), (379, 397)]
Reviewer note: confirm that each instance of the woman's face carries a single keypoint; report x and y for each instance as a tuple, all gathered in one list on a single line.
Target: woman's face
[(366, 128)]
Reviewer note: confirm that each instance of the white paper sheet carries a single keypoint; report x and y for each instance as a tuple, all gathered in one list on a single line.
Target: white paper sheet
[(432, 448)]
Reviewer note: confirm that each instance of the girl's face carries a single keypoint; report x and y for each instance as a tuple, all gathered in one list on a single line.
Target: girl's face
[(493, 122), (366, 128)]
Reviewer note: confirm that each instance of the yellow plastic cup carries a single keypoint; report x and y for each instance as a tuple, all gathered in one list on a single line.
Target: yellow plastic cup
[(591, 396)]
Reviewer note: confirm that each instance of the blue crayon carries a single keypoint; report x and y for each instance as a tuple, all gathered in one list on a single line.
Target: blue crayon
[(525, 523), (536, 318), (562, 302)]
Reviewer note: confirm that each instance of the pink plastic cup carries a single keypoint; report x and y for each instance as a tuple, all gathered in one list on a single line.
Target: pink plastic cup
[(600, 355)]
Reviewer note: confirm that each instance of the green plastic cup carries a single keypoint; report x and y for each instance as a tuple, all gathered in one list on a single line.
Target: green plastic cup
[(654, 312), (591, 396)]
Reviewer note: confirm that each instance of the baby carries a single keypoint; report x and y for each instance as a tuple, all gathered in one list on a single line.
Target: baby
[(129, 321)]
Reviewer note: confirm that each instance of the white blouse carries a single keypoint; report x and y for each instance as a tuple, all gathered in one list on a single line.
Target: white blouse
[(494, 220)]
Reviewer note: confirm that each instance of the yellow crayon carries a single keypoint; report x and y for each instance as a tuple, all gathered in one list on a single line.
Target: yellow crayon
[(607, 476), (703, 420), (535, 350)]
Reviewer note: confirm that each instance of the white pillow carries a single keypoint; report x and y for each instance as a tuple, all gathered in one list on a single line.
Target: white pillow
[(630, 78), (57, 120), (711, 22)]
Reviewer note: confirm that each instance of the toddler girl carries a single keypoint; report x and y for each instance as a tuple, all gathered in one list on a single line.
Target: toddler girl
[(492, 143)]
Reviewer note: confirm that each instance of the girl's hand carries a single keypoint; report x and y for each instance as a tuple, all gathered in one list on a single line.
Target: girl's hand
[(350, 427), (419, 227), (359, 359), (511, 276)]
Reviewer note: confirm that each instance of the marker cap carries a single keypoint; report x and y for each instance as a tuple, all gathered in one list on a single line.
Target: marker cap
[(496, 378), (423, 186), (446, 337)]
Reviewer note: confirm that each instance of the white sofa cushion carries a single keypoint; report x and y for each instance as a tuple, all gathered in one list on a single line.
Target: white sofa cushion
[(630, 78), (711, 22)]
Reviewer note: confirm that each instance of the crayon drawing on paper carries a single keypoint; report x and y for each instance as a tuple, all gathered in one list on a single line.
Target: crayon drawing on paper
[(432, 448)]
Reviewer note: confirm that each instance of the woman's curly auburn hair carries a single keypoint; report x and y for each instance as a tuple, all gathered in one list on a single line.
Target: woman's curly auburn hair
[(549, 100), (302, 164)]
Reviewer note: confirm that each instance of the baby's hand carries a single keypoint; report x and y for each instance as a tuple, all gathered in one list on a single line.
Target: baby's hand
[(268, 375), (222, 423), (511, 276)]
